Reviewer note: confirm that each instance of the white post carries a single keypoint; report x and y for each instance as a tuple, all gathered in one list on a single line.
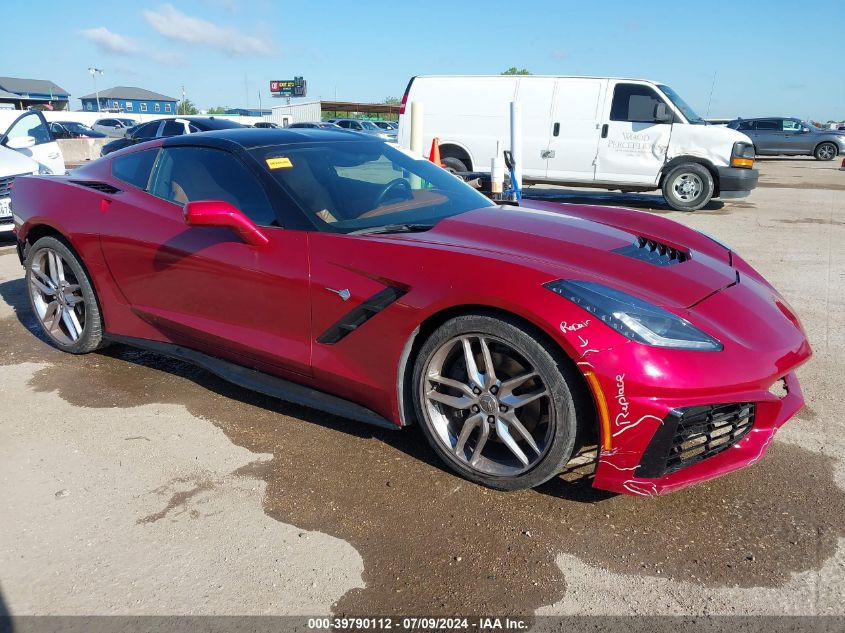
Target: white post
[(417, 128), (497, 172), (516, 143)]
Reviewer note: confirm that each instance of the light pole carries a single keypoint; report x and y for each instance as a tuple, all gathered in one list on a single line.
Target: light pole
[(94, 72)]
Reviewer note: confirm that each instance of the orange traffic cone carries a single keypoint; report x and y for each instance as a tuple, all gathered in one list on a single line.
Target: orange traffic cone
[(434, 155), (843, 165)]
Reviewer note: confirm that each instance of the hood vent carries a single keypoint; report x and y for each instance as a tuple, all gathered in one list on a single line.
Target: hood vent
[(104, 187), (653, 252)]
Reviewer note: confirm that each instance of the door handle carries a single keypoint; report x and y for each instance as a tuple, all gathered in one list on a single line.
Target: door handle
[(53, 156), (547, 153), (556, 130), (604, 131)]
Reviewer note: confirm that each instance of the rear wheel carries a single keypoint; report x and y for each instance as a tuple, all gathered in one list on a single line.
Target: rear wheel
[(688, 187), (454, 164), (494, 403), (62, 297), (825, 151)]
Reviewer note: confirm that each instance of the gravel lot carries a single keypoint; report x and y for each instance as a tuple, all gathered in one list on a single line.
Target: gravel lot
[(130, 484)]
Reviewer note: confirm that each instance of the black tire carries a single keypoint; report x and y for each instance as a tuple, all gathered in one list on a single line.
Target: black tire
[(826, 151), (454, 164), (688, 187), (558, 418), (88, 310)]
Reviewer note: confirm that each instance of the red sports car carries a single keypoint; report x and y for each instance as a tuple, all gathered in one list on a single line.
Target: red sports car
[(331, 269)]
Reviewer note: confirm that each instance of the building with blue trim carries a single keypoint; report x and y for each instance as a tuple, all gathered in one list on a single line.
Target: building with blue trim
[(26, 93), (130, 100), (249, 112)]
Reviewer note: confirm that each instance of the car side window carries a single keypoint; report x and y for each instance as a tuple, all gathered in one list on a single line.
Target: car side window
[(148, 130), (769, 124), (189, 174), (634, 103), (791, 126), (31, 125), (172, 128), (746, 125), (135, 168)]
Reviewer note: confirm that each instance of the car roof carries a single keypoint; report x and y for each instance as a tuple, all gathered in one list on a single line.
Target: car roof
[(250, 138)]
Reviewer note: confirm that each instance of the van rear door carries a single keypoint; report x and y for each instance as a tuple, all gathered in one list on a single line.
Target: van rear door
[(574, 129), (535, 96), (633, 143)]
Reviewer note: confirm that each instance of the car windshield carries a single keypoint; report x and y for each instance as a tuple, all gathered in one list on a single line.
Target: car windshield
[(77, 128), (679, 103), (362, 185), (369, 125)]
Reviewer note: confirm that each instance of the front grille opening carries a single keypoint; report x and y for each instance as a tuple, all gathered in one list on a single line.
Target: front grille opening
[(653, 252), (706, 431), (690, 435)]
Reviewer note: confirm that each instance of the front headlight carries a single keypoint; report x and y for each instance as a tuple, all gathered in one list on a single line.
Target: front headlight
[(634, 318), (742, 155)]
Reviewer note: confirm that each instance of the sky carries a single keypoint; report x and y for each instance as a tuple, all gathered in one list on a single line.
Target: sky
[(768, 58)]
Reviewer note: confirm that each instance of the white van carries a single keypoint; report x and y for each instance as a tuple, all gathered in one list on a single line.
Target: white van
[(625, 134)]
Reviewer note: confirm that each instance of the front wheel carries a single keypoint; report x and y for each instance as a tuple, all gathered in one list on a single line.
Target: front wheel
[(62, 297), (688, 187), (825, 151), (493, 403), (453, 164)]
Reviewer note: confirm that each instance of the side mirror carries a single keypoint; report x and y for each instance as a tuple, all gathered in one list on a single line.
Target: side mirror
[(20, 142), (662, 114), (221, 214)]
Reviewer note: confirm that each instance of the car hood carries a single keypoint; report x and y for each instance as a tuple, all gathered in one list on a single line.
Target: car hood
[(616, 247), (13, 163)]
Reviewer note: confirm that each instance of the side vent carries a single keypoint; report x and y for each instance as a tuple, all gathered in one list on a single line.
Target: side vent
[(103, 187), (653, 252), (354, 319)]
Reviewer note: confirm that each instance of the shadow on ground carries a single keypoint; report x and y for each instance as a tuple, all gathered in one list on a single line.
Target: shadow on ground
[(646, 201), (435, 544)]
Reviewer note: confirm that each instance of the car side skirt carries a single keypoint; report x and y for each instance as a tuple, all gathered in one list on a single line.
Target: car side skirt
[(260, 382)]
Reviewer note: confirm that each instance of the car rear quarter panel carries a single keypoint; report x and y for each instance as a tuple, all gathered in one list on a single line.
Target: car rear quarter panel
[(50, 204)]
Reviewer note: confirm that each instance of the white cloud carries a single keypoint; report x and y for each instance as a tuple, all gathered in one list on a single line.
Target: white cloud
[(111, 42), (176, 26)]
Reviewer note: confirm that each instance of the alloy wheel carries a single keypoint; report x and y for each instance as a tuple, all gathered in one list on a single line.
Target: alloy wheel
[(57, 297), (488, 405), (827, 152)]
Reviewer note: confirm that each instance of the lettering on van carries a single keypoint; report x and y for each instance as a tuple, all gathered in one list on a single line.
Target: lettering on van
[(636, 144)]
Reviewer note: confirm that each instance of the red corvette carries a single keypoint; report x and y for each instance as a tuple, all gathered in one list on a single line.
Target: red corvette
[(333, 270)]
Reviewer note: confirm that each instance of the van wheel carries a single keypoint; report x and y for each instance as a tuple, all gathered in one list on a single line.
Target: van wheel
[(453, 164), (688, 187), (825, 151)]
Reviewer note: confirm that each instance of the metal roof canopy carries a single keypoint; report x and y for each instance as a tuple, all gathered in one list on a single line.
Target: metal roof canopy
[(350, 106)]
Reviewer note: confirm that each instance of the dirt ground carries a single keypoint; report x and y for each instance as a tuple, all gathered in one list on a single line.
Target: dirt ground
[(131, 484)]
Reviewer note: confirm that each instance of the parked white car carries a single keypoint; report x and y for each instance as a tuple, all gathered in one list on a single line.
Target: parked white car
[(113, 127), (30, 135), (12, 164), (609, 133)]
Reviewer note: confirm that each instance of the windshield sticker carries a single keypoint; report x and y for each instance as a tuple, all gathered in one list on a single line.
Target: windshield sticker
[(280, 162)]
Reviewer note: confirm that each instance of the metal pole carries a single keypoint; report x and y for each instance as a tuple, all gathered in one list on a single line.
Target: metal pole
[(710, 99), (516, 143)]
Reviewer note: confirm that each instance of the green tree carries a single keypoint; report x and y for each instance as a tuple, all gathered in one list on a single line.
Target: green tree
[(218, 110), (187, 106), (392, 100), (513, 70)]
